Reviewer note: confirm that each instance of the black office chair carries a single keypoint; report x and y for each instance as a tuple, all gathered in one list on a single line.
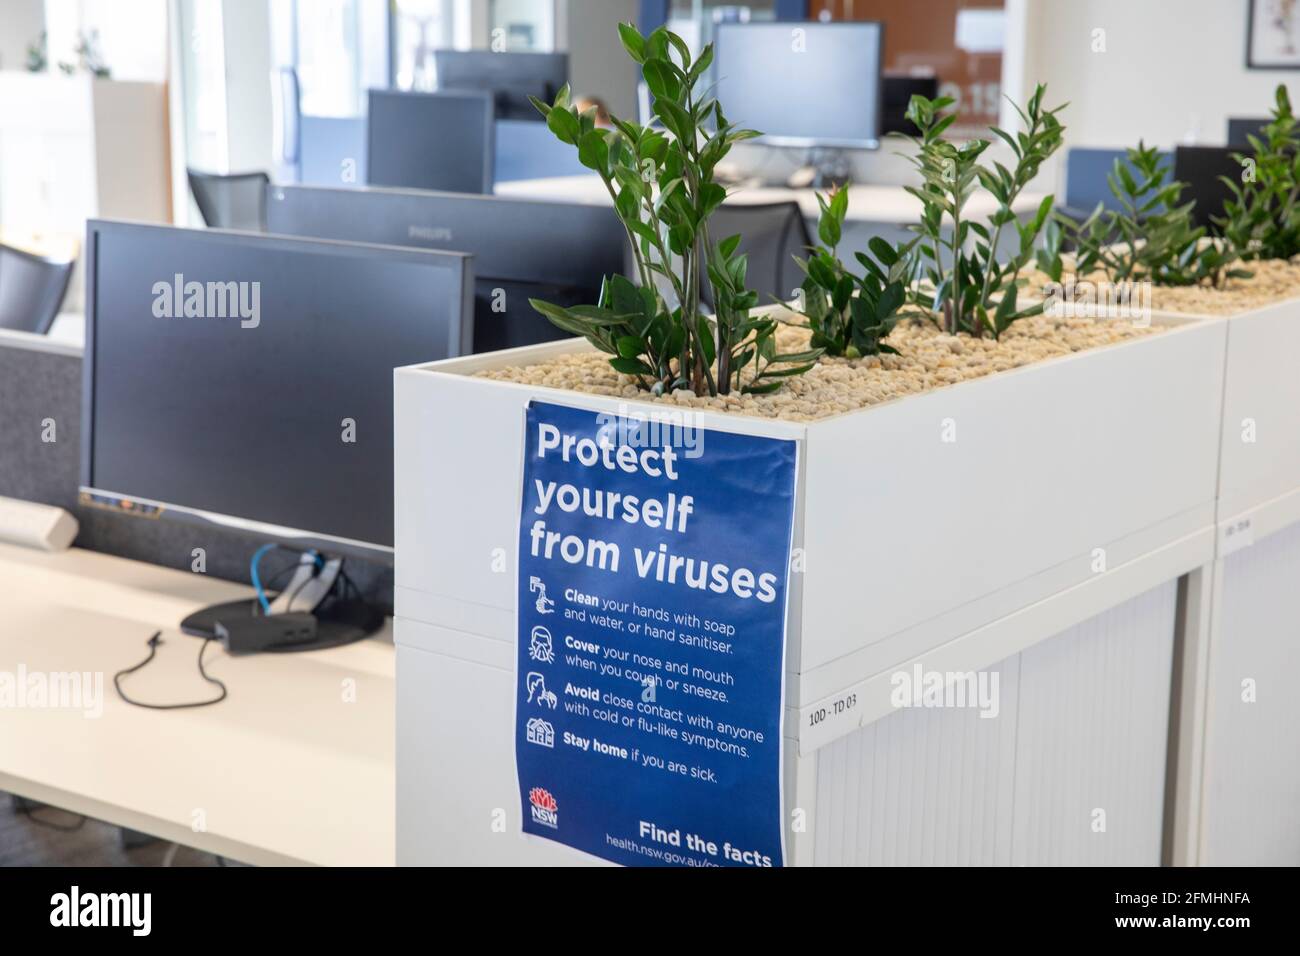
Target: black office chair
[(237, 201), (31, 289), (771, 235)]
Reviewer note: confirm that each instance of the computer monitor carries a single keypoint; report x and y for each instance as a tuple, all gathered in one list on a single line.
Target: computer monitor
[(441, 141), (1200, 169), (522, 249), (244, 381), (510, 78), (820, 89), (896, 94), (1240, 128)]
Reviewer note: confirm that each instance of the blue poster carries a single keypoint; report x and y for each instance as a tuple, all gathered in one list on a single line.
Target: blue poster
[(654, 557)]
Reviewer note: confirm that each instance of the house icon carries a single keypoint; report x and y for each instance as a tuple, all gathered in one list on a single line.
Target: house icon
[(540, 732)]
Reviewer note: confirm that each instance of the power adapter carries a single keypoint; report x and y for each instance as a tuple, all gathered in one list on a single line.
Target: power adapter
[(255, 633)]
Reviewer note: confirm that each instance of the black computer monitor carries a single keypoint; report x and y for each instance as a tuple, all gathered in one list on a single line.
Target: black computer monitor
[(245, 381), (443, 141), (1200, 169), (896, 93), (1240, 128), (522, 248), (821, 88), (510, 78)]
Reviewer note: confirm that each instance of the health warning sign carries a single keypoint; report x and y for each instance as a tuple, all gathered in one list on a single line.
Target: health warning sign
[(653, 575)]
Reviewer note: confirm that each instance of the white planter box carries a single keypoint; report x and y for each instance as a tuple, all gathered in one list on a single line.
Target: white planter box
[(954, 555)]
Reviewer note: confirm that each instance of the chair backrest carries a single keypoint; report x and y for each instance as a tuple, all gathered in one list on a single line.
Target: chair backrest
[(31, 290), (772, 234), (1086, 170), (1202, 170), (237, 201)]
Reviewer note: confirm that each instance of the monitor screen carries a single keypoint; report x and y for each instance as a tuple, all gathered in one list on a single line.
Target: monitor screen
[(246, 380), (510, 78), (802, 84), (430, 140)]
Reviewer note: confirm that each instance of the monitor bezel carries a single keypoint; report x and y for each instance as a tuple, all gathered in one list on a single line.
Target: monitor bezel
[(91, 494)]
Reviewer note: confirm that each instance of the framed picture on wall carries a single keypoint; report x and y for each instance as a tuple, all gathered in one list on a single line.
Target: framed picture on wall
[(1273, 35)]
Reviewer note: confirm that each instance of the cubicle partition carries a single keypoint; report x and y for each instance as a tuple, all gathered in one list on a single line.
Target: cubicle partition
[(40, 441)]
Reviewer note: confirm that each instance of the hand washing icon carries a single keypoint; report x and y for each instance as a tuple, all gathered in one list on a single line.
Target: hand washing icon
[(544, 604)]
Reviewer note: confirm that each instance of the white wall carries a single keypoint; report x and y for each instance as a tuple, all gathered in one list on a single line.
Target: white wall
[(247, 38), (21, 22), (1170, 69)]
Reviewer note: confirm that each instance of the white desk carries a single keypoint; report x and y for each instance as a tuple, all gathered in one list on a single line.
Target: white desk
[(284, 771), (886, 206)]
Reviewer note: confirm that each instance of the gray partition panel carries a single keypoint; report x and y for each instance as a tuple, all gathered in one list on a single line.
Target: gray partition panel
[(40, 398)]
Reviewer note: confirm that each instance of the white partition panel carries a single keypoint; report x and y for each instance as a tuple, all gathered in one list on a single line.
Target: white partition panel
[(1252, 773), (1094, 706), (1082, 726), (923, 787)]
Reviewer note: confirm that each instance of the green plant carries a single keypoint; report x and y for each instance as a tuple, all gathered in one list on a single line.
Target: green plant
[(851, 315), (1262, 219), (965, 284), (1151, 235), (663, 189), (38, 59)]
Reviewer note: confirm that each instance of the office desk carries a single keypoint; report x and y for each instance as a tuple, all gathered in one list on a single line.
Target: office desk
[(868, 204), (285, 770)]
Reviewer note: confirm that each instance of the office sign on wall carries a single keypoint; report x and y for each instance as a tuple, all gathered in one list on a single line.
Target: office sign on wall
[(653, 575)]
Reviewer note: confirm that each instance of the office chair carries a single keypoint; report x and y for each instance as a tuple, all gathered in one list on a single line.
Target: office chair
[(771, 235), (237, 201), (1086, 179), (1202, 170), (31, 289)]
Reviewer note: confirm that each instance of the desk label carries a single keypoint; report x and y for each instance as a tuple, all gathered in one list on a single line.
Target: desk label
[(653, 576)]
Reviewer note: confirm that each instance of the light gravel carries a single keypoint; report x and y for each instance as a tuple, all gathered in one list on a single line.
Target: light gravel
[(928, 359)]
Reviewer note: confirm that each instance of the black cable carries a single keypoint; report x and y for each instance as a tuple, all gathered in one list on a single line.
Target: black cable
[(153, 649)]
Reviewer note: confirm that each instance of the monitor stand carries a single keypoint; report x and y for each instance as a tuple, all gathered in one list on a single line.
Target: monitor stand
[(339, 620), (826, 168)]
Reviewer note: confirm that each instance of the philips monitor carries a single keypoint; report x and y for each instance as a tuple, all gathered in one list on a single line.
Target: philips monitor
[(245, 381), (430, 141), (522, 249), (819, 89), (510, 78)]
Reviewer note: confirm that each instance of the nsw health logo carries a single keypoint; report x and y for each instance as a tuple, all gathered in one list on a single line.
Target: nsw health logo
[(546, 811)]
